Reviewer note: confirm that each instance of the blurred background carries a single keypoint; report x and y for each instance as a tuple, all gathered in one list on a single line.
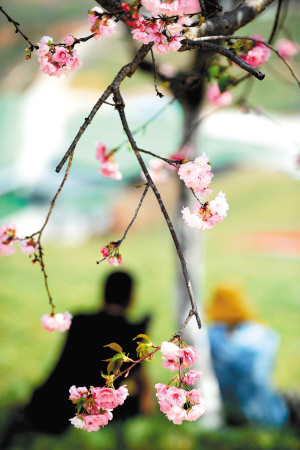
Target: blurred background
[(255, 158)]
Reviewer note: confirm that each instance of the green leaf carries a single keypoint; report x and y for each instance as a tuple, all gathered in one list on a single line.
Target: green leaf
[(115, 347), (143, 336), (213, 71), (224, 82)]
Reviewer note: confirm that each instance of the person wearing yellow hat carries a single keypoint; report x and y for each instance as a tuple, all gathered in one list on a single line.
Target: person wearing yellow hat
[(243, 352)]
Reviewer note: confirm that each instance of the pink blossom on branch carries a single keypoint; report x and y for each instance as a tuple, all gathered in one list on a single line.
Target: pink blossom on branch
[(287, 49), (56, 61), (7, 237), (208, 215), (101, 25), (217, 98), (59, 322), (109, 168), (259, 53), (28, 246)]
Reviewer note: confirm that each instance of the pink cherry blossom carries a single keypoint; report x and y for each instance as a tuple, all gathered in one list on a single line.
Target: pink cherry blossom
[(171, 364), (69, 40), (93, 422), (77, 421), (187, 355), (58, 322), (28, 246), (192, 376), (7, 237), (287, 49), (258, 55), (176, 396), (57, 61), (215, 97), (114, 261), (109, 169), (105, 398), (196, 411), (176, 415), (122, 394), (195, 395), (100, 152), (77, 392), (92, 17), (105, 251), (169, 350), (219, 206)]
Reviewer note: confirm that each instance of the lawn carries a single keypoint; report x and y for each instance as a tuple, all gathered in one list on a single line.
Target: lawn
[(257, 201)]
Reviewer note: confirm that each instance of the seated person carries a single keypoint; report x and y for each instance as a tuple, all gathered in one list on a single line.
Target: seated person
[(81, 363), (243, 352)]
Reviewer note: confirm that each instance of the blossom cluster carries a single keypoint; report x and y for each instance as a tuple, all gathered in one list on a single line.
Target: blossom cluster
[(102, 24), (97, 404), (258, 53), (176, 403), (197, 174), (109, 168), (115, 258), (59, 322), (58, 60), (8, 235), (207, 215)]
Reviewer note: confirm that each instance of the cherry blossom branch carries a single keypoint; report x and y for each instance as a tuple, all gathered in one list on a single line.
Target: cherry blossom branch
[(145, 124), (229, 37), (120, 107), (39, 233), (118, 243), (172, 162), (159, 94), (189, 44), (126, 71), (17, 29), (138, 361), (41, 261)]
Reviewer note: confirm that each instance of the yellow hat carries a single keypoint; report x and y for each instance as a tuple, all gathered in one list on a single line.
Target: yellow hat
[(229, 306)]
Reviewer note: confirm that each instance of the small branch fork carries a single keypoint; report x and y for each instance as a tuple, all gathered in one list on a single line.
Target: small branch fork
[(118, 243), (159, 94), (120, 107), (126, 71)]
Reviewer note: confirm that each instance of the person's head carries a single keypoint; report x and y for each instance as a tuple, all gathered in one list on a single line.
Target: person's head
[(117, 291), (229, 306)]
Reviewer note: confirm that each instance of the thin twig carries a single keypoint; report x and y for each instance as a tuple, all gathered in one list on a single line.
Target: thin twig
[(275, 25), (254, 40), (120, 107), (41, 261), (172, 162), (145, 124), (126, 71), (159, 94), (16, 24), (118, 243)]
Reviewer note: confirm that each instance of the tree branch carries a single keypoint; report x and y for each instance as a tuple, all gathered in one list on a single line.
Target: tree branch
[(126, 71), (126, 231), (189, 44), (17, 29), (120, 107), (231, 21), (254, 40)]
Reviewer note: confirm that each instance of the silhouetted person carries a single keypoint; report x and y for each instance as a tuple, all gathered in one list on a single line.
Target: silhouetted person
[(81, 363)]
